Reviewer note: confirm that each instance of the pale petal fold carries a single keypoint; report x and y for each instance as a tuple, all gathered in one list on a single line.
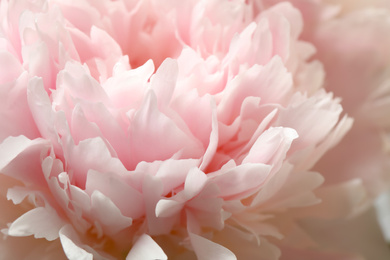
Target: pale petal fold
[(40, 222), (146, 248), (207, 250)]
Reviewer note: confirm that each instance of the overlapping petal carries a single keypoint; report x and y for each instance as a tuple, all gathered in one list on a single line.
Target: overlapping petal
[(145, 130)]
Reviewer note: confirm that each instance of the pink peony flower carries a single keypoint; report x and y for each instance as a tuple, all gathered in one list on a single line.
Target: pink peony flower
[(180, 130), (364, 97), (351, 41)]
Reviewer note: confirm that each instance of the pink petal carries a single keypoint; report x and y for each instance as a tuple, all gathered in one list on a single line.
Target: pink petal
[(75, 79), (265, 123), (271, 147), (274, 184), (163, 82), (298, 191), (173, 173), (193, 185), (242, 180), (195, 181), (154, 136), (334, 138), (108, 214), (156, 225), (338, 201), (113, 130), (197, 112), (16, 120), (81, 128), (293, 15), (115, 189), (91, 154), (127, 87), (43, 114), (271, 83), (10, 67), (40, 64), (213, 142), (20, 158), (312, 118)]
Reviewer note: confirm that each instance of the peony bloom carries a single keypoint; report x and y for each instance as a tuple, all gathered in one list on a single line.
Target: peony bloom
[(174, 129), (357, 70)]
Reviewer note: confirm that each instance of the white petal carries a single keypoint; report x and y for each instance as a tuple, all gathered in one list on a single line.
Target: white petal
[(382, 206), (18, 193), (208, 250), (12, 147), (146, 249), (167, 208), (40, 222), (72, 251)]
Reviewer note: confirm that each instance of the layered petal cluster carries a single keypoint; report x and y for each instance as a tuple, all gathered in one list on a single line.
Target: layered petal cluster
[(351, 38), (169, 129)]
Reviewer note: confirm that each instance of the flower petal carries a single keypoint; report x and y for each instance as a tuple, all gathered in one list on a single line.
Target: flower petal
[(17, 154), (154, 136), (208, 250), (242, 180), (108, 214), (271, 147), (10, 67), (115, 189), (71, 249), (146, 248), (40, 222)]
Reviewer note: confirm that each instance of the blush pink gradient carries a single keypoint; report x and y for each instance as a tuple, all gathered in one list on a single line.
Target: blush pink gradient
[(192, 129)]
